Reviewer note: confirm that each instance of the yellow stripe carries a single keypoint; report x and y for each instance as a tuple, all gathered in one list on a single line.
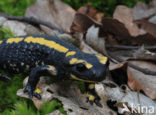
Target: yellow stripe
[(74, 77), (102, 59), (76, 61), (15, 40), (70, 53), (48, 43), (1, 42)]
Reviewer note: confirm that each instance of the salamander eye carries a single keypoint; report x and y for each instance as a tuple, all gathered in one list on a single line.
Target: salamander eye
[(81, 67)]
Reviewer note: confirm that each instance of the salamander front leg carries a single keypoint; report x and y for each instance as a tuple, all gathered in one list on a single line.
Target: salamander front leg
[(92, 96), (34, 76), (4, 78)]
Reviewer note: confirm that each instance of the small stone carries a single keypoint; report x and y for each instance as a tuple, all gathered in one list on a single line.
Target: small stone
[(16, 27)]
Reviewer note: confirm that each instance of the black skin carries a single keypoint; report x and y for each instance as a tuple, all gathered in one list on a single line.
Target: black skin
[(33, 59)]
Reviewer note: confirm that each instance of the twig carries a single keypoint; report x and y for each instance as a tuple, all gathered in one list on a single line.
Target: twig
[(130, 47), (143, 70), (31, 20)]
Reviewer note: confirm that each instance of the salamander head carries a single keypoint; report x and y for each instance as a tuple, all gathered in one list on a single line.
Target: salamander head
[(89, 68)]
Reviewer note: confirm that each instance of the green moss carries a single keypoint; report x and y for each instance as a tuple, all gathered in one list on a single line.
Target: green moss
[(106, 6), (5, 32), (21, 108), (81, 86), (8, 92), (51, 106), (15, 7)]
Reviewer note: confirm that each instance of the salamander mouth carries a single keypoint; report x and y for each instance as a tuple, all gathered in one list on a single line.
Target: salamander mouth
[(89, 77), (81, 79)]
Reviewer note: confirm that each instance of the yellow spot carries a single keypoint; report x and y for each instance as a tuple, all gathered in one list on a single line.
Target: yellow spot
[(1, 42), (70, 53), (91, 97), (91, 86), (76, 61), (102, 59), (48, 43), (15, 40), (74, 77), (37, 90)]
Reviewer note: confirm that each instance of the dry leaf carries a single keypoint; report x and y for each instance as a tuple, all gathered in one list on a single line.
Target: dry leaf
[(131, 99), (147, 26), (56, 12), (141, 10), (93, 39), (115, 28), (74, 102), (57, 112), (144, 54), (91, 12), (153, 19), (125, 15), (147, 82), (82, 22), (120, 74)]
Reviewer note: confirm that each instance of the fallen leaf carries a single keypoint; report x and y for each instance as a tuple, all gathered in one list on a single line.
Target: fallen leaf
[(74, 102), (115, 28), (147, 26), (152, 19), (56, 12), (57, 112), (142, 10), (82, 22), (126, 100), (146, 82), (92, 13), (143, 54), (125, 15), (93, 39)]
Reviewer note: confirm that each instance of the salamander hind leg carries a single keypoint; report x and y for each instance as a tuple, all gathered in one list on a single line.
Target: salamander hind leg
[(34, 76), (4, 78)]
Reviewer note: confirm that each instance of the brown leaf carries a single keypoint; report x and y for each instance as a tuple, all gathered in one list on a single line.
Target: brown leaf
[(125, 99), (56, 12), (114, 27), (125, 15), (117, 66), (139, 29), (147, 26), (82, 23), (138, 80), (132, 82), (74, 102), (91, 12)]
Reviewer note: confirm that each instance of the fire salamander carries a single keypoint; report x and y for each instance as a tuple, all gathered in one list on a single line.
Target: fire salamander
[(47, 55)]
